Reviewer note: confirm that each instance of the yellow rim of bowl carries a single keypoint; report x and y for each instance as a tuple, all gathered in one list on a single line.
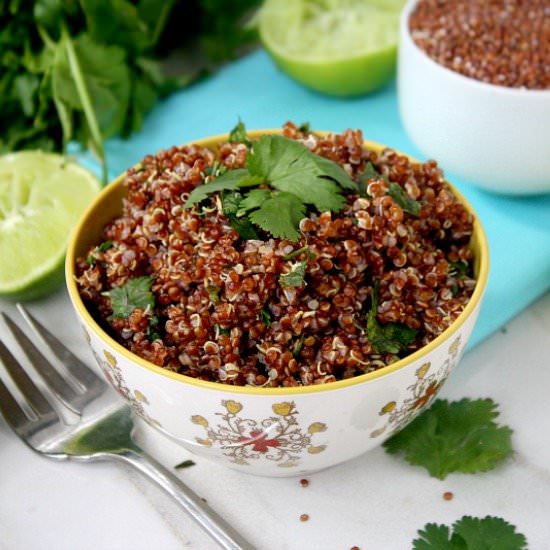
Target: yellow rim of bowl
[(479, 244)]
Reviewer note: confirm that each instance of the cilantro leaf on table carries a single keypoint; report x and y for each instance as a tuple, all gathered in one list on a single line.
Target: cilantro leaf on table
[(491, 533), (436, 537), (390, 337), (469, 533), (136, 293), (185, 464), (460, 436)]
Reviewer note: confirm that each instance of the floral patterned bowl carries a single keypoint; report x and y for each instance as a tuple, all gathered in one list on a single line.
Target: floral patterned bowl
[(273, 431)]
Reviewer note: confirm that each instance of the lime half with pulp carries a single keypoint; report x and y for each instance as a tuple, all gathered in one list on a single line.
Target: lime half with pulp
[(42, 196), (338, 47)]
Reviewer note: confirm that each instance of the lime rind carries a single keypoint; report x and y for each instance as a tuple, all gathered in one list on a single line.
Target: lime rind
[(42, 195)]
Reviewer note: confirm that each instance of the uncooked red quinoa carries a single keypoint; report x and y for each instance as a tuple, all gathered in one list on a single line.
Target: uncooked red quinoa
[(219, 307), (503, 42)]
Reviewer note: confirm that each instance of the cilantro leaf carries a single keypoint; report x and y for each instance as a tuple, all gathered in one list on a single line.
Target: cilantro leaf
[(280, 215), (298, 346), (289, 166), (460, 436), (136, 293), (295, 277), (184, 464), (391, 337), (152, 334), (297, 177), (400, 196), (106, 245), (436, 537), (238, 134), (490, 533), (368, 173), (265, 316), (213, 293), (469, 533), (459, 269), (228, 181), (253, 199), (231, 206)]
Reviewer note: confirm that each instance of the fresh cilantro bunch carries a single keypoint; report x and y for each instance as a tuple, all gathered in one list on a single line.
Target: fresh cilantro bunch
[(469, 533), (282, 179), (459, 436), (87, 70)]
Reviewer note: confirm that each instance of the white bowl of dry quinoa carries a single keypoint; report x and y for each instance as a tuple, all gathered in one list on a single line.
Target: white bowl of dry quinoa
[(474, 89), (278, 324)]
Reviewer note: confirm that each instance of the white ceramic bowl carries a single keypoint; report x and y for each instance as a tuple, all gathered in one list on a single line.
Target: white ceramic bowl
[(495, 137), (272, 431)]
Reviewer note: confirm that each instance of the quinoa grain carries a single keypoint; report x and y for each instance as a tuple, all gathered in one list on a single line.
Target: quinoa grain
[(501, 42)]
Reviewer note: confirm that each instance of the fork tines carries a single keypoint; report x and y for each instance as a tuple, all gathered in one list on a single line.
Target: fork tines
[(85, 387)]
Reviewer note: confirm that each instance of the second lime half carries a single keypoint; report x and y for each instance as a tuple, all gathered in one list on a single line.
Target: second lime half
[(338, 47)]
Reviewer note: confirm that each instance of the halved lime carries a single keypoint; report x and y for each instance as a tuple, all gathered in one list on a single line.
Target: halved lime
[(42, 195), (339, 47)]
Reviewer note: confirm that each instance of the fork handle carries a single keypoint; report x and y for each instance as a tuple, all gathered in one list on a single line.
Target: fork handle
[(223, 533)]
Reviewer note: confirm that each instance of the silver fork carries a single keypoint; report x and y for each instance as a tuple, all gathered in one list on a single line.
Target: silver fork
[(103, 427)]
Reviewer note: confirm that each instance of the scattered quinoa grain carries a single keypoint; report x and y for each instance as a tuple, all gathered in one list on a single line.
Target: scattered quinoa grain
[(447, 495), (304, 517), (304, 482), (355, 548)]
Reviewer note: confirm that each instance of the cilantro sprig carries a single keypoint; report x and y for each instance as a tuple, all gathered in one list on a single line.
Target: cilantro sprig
[(238, 134), (295, 277), (395, 191), (136, 293), (470, 533), (459, 436), (390, 337), (282, 178)]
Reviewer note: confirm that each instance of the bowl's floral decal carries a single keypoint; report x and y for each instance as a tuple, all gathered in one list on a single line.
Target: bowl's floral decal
[(278, 438), (136, 399), (421, 393)]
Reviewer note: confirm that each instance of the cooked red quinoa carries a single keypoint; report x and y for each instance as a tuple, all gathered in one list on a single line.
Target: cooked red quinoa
[(503, 42), (257, 332)]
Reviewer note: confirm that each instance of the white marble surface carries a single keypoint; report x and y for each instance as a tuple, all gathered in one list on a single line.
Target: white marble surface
[(376, 501)]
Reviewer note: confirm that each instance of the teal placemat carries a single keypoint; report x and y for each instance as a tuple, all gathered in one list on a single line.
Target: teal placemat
[(254, 90)]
